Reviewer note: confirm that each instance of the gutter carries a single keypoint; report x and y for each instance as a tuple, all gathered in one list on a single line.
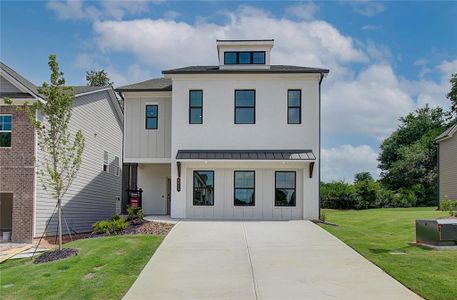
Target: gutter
[(319, 155)]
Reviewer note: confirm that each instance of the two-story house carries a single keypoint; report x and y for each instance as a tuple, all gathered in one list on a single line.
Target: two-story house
[(25, 207), (237, 140)]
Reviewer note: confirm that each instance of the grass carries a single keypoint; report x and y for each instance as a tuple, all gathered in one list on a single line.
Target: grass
[(104, 269), (380, 234)]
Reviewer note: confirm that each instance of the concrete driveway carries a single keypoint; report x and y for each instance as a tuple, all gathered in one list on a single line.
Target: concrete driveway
[(260, 260)]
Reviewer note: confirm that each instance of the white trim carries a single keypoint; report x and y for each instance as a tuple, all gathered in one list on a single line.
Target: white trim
[(147, 160), (10, 131), (449, 135), (91, 92), (35, 180), (16, 83)]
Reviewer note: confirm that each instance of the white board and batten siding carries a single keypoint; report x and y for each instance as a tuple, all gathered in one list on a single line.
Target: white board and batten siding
[(143, 145), (93, 194)]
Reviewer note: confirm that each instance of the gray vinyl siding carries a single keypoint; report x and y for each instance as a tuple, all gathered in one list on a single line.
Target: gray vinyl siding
[(92, 196), (264, 208), (448, 168), (7, 87), (147, 143)]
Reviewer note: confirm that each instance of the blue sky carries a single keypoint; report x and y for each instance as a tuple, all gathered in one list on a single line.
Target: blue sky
[(386, 58)]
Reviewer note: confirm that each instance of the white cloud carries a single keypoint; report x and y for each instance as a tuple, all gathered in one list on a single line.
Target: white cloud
[(305, 11), (342, 162), (372, 27), (370, 103), (367, 8)]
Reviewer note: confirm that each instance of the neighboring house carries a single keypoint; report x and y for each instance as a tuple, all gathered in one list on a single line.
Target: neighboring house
[(239, 140), (447, 164), (25, 206)]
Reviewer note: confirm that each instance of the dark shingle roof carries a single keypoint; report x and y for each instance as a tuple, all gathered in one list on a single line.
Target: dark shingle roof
[(155, 84), (246, 154), (447, 133), (81, 89), (30, 86), (272, 69)]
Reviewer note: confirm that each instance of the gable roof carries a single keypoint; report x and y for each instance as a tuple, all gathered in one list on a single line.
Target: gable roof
[(272, 69), (154, 84), (24, 82), (447, 134)]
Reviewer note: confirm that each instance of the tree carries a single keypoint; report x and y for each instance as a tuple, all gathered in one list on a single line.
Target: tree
[(97, 78), (408, 157), (362, 176), (61, 150), (452, 95)]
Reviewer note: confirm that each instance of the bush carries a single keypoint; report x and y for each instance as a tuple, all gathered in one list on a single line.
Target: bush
[(135, 213), (337, 195), (113, 226), (366, 192), (404, 198), (450, 206)]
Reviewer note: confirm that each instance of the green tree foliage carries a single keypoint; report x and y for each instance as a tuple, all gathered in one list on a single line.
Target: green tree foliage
[(337, 195), (452, 95), (362, 176), (97, 78), (366, 192), (408, 157)]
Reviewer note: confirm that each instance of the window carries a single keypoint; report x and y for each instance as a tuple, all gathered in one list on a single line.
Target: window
[(294, 107), (244, 58), (244, 106), (196, 107), (117, 169), (152, 112), (244, 188), (6, 127), (285, 188), (105, 161), (203, 188)]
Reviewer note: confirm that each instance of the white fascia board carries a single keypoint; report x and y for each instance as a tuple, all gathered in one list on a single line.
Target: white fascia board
[(134, 160)]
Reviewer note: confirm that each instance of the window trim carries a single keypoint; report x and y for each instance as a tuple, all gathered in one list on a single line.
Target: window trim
[(10, 131), (242, 188), (190, 106), (117, 168), (106, 162), (193, 189), (235, 107), (295, 188), (251, 59), (146, 116), (293, 106)]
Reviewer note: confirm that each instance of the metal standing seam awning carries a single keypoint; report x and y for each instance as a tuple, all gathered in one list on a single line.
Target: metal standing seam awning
[(272, 155)]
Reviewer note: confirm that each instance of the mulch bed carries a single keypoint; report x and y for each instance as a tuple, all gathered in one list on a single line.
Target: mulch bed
[(155, 228), (55, 255)]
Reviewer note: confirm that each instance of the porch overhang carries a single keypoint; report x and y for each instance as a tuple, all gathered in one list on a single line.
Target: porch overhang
[(246, 155)]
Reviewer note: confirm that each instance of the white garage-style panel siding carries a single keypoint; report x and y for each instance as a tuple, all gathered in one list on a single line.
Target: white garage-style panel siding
[(141, 144), (93, 194)]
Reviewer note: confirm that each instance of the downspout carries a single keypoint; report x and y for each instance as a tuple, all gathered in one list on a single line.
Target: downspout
[(438, 177), (319, 156)]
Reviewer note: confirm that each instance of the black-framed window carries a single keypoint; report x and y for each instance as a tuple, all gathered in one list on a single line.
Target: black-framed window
[(244, 188), (244, 58), (293, 106), (6, 129), (195, 107), (285, 188), (203, 188), (152, 116), (244, 106)]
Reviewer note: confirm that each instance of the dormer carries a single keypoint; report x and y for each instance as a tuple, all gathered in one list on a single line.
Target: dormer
[(244, 54)]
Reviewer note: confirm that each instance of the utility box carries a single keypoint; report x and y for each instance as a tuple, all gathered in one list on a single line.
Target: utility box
[(440, 232)]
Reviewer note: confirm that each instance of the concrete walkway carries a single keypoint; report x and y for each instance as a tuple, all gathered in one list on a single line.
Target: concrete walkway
[(260, 260)]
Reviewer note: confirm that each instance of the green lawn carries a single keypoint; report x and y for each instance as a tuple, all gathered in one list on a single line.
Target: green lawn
[(104, 269), (377, 233)]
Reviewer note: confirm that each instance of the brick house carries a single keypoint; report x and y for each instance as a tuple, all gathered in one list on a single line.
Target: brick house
[(25, 207)]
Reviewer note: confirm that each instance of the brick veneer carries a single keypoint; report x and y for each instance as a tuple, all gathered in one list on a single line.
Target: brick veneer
[(17, 173)]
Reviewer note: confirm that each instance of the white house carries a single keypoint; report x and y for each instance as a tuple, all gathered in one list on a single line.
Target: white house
[(238, 140)]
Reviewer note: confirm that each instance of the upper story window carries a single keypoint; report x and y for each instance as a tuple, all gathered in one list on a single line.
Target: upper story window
[(152, 114), (294, 107), (105, 161), (244, 58), (6, 127), (244, 106), (195, 107)]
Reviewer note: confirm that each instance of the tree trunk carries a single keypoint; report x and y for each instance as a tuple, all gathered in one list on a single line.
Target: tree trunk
[(59, 212)]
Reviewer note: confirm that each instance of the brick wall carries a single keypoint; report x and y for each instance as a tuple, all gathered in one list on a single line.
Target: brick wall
[(17, 173)]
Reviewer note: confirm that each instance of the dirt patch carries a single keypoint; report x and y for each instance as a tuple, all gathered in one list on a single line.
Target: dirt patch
[(154, 228), (55, 255), (98, 267), (88, 276)]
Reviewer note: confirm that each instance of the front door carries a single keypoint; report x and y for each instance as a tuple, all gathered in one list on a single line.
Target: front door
[(168, 195)]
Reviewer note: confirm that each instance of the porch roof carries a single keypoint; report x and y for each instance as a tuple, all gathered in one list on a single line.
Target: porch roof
[(295, 155)]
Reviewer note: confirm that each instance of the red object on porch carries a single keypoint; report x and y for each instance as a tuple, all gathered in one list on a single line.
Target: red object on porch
[(135, 198)]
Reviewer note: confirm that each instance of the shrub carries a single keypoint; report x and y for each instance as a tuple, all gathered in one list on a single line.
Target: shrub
[(135, 213), (366, 192), (113, 226), (385, 198), (450, 206), (404, 198), (337, 195)]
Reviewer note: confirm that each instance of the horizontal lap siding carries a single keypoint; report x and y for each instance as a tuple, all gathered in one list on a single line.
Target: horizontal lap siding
[(92, 195), (264, 208), (448, 168)]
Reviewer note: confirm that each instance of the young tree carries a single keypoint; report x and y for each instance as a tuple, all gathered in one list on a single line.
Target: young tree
[(62, 151), (452, 95), (97, 78)]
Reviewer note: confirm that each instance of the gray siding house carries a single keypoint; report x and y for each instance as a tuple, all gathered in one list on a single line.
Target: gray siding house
[(447, 147), (95, 194)]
